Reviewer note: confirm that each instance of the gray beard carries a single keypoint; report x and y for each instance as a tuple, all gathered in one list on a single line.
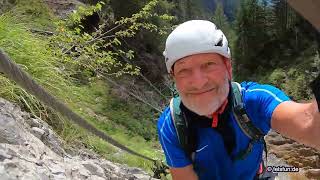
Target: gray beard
[(214, 104)]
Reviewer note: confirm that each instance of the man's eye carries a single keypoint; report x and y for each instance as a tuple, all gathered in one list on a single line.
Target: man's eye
[(184, 72), (209, 65)]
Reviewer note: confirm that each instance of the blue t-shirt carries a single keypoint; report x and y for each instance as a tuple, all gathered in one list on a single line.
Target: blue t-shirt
[(211, 157)]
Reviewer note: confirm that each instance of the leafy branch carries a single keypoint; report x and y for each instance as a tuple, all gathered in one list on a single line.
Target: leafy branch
[(79, 48)]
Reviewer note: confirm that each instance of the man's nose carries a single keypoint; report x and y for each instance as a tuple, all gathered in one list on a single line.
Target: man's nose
[(199, 79)]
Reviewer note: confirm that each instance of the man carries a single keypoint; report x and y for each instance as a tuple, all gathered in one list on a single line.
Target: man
[(198, 59)]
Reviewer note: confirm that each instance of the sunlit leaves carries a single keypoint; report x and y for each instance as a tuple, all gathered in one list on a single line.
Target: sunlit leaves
[(101, 50), (82, 12)]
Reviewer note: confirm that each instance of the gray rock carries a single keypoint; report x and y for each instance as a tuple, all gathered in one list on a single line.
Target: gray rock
[(142, 176), (10, 131), (4, 175), (84, 173), (33, 122), (37, 132), (133, 170), (109, 166), (63, 8), (43, 173), (94, 177), (94, 169), (56, 169), (30, 150), (57, 177), (4, 155), (53, 142)]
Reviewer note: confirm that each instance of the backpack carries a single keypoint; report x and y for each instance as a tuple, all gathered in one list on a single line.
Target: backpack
[(187, 140)]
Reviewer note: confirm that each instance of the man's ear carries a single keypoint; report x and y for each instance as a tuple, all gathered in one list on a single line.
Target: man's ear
[(228, 64), (171, 75)]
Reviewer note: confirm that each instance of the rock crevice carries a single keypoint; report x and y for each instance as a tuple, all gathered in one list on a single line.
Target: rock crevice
[(29, 149)]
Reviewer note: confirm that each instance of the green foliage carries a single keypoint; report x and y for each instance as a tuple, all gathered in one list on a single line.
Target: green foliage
[(131, 117), (295, 79), (27, 51), (271, 37), (34, 12), (252, 29), (221, 21), (125, 8), (315, 66), (46, 60), (220, 18), (100, 146), (100, 52), (189, 9), (31, 54), (293, 82), (77, 16), (106, 61), (135, 23), (278, 77), (284, 17)]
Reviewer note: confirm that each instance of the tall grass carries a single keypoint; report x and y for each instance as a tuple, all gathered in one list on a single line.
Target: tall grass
[(93, 101)]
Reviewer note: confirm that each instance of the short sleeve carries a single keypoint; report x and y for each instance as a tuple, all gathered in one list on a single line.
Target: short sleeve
[(260, 102), (174, 154)]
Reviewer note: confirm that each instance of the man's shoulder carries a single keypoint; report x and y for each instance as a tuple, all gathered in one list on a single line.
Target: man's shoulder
[(255, 87), (262, 93), (252, 84), (260, 100), (165, 120)]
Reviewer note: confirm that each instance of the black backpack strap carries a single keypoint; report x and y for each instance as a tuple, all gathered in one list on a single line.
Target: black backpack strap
[(182, 126), (244, 122)]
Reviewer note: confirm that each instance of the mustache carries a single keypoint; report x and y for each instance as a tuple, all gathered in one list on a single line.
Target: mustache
[(194, 90), (207, 87)]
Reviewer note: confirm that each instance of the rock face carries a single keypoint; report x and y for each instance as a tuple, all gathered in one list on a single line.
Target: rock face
[(63, 8), (29, 150), (295, 154), (5, 5)]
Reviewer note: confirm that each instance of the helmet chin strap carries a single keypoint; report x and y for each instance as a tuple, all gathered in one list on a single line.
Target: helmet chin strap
[(215, 115)]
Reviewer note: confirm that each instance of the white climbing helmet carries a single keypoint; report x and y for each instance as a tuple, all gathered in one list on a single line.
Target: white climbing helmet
[(195, 37)]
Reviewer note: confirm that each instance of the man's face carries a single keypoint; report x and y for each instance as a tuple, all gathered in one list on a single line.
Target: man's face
[(202, 81)]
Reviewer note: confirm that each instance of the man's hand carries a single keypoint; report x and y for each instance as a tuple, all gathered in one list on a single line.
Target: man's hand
[(185, 173)]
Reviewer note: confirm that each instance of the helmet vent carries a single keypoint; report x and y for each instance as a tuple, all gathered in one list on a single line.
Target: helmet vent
[(220, 42)]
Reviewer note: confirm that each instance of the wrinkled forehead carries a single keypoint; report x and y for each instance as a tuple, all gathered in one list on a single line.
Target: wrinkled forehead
[(198, 59)]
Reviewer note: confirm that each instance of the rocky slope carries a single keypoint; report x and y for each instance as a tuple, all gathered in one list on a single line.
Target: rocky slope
[(29, 149), (294, 154), (62, 8)]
